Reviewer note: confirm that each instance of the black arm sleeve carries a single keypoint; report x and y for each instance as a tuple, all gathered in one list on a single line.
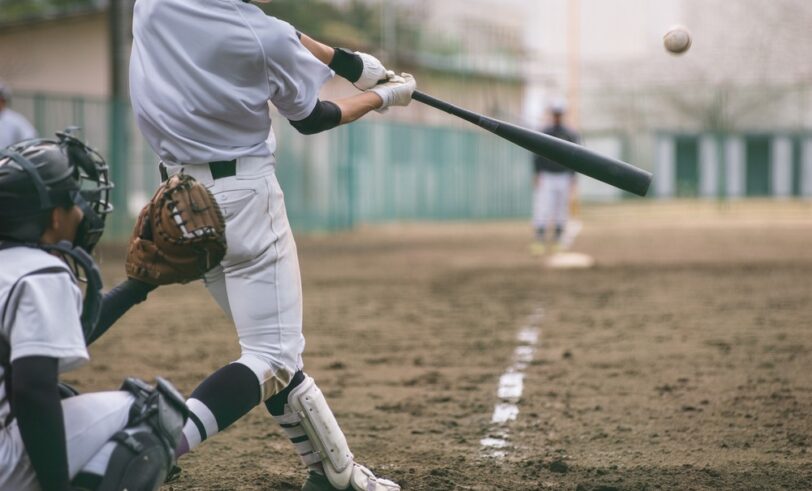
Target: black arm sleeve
[(38, 410), (117, 302), (347, 64), (325, 116)]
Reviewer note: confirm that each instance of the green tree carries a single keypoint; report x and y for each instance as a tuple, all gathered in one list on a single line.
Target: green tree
[(356, 24), (17, 10)]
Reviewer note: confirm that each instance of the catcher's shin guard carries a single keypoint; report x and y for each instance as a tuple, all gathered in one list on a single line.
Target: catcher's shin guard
[(145, 450), (320, 426)]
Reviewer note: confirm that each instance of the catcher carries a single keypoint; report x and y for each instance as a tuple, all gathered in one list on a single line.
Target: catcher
[(54, 196)]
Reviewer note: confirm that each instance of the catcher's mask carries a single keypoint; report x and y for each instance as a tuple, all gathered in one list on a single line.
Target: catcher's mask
[(87, 273), (38, 175)]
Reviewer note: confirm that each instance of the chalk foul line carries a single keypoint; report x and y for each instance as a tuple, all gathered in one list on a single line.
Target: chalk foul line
[(511, 387)]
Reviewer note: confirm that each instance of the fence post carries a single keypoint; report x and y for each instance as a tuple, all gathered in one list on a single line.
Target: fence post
[(79, 112), (39, 114), (118, 164)]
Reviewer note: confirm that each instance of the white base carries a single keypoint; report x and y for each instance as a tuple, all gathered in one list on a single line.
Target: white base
[(570, 260)]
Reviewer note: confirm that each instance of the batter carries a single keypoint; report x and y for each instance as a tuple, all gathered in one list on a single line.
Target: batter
[(201, 76)]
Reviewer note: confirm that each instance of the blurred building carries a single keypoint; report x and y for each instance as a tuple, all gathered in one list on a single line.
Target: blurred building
[(61, 52)]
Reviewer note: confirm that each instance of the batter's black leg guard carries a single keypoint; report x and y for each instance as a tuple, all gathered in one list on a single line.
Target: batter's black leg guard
[(145, 450)]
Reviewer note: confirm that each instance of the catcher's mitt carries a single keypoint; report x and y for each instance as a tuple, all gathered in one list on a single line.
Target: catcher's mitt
[(179, 234)]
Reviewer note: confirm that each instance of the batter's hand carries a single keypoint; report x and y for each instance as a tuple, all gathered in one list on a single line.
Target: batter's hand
[(374, 72), (397, 91)]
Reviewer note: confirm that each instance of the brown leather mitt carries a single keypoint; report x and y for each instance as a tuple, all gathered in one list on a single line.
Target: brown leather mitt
[(179, 234)]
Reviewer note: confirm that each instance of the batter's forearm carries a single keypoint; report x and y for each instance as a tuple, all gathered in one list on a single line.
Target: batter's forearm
[(321, 51), (355, 107)]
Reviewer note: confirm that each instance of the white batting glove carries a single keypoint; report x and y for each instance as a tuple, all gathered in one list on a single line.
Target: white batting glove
[(397, 91), (373, 73)]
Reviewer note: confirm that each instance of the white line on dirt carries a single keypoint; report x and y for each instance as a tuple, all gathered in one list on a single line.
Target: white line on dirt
[(511, 386)]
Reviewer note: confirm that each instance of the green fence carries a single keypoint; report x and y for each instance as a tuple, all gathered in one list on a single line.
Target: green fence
[(370, 171)]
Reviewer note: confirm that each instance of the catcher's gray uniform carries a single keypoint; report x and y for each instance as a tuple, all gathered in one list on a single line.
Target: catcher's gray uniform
[(40, 317)]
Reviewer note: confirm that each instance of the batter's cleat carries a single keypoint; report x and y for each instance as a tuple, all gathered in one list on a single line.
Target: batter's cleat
[(317, 482), (537, 248), (362, 479)]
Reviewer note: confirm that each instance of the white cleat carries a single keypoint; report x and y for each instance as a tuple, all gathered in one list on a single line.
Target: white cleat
[(364, 480)]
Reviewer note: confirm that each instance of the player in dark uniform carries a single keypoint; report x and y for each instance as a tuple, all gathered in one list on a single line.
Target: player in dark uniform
[(554, 184)]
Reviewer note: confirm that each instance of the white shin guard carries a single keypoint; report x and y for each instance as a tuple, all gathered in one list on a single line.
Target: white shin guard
[(322, 429)]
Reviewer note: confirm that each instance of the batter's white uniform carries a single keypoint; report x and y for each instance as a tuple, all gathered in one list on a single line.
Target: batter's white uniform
[(200, 98), (14, 128), (39, 316)]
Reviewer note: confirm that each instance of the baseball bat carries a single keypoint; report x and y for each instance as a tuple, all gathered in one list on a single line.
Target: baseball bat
[(611, 171)]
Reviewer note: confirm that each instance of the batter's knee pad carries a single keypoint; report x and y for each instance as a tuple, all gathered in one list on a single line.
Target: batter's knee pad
[(320, 425), (145, 449)]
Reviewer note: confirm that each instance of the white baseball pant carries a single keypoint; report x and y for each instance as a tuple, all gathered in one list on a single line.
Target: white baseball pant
[(258, 282), (90, 421), (551, 199)]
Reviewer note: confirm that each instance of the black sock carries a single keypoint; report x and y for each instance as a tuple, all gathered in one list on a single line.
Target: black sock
[(228, 394), (276, 404)]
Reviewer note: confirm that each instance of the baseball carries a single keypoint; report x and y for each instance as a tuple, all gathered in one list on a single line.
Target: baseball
[(677, 40)]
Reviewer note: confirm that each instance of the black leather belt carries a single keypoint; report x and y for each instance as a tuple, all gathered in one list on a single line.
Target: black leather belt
[(223, 168), (219, 169)]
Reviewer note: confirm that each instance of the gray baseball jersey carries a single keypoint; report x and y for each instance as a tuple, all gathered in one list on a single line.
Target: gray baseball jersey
[(39, 316), (199, 97)]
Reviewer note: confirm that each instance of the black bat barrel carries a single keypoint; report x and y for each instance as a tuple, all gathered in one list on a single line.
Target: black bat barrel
[(611, 171)]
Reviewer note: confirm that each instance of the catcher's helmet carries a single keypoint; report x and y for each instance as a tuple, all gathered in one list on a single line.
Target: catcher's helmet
[(38, 175)]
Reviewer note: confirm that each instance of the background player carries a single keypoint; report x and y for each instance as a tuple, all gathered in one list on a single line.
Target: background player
[(53, 197), (13, 125), (554, 185), (201, 77)]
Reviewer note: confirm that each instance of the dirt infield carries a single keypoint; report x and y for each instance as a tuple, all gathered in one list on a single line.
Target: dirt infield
[(682, 360)]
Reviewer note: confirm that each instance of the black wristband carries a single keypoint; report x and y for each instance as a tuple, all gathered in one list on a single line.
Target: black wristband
[(347, 64)]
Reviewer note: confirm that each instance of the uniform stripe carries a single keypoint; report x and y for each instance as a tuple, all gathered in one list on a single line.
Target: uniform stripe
[(300, 439), (303, 448), (311, 458), (203, 418), (192, 434), (201, 430), (295, 432)]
